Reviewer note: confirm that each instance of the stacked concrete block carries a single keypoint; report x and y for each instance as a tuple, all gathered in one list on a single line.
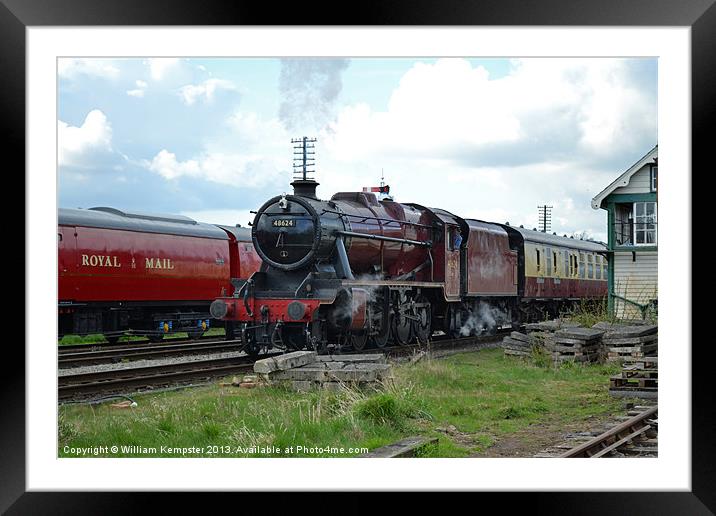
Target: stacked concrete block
[(304, 370), (519, 344), (639, 378), (633, 341), (544, 339), (578, 344)]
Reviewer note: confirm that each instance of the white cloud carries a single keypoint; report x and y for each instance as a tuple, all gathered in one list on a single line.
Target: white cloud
[(166, 165), (451, 110), (204, 91), (495, 149), (159, 67), (254, 153), (78, 144), (71, 68), (139, 91)]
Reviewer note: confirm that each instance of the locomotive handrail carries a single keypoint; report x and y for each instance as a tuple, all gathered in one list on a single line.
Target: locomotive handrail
[(382, 219), (384, 238)]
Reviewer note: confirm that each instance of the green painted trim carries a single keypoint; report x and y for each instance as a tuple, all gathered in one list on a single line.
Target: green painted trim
[(610, 284), (635, 197), (610, 226)]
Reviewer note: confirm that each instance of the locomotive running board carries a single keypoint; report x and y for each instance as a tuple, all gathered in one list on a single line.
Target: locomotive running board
[(389, 283)]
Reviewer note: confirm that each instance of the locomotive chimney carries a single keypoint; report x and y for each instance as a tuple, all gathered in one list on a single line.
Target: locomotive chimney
[(305, 188), (303, 153)]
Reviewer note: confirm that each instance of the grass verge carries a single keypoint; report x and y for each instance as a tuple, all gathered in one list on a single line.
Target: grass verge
[(468, 401)]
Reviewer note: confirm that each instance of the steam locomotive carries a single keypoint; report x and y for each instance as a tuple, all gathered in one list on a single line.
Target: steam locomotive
[(357, 271), (145, 273)]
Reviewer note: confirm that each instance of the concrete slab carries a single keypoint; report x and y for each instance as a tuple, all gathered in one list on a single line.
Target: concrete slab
[(579, 333), (283, 362)]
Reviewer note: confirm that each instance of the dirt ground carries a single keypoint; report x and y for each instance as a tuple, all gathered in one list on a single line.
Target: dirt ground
[(535, 438)]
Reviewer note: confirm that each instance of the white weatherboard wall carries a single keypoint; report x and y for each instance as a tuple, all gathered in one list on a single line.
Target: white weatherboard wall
[(640, 182), (635, 280)]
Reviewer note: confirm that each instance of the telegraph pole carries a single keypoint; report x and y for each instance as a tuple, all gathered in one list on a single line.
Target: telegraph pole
[(545, 218), (303, 151)]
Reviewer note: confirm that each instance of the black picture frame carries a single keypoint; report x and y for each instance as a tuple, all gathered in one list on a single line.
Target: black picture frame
[(17, 15)]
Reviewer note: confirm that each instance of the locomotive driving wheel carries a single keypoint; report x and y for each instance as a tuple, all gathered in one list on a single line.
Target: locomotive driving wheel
[(358, 340), (422, 326), (382, 320), (401, 326)]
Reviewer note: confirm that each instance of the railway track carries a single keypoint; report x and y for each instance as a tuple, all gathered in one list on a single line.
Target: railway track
[(131, 379), (443, 346), (636, 435), (96, 346), (143, 352), (78, 386)]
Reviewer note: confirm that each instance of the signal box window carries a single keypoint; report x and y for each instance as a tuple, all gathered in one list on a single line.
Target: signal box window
[(635, 224), (645, 223)]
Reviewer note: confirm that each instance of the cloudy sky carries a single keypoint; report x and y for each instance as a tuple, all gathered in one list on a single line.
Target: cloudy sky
[(484, 138)]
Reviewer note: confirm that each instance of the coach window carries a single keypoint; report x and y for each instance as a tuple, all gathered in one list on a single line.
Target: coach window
[(555, 262), (549, 261), (538, 264), (581, 266), (590, 267), (598, 267), (566, 263)]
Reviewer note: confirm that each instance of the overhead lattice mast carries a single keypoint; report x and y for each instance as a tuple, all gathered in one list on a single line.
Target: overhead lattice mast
[(545, 218), (304, 150)]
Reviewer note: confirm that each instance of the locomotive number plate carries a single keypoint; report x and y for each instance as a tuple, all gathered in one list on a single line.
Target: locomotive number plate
[(284, 223)]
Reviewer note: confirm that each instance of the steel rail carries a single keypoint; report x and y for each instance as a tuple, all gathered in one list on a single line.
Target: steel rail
[(108, 356), (614, 437), (73, 348), (119, 380)]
